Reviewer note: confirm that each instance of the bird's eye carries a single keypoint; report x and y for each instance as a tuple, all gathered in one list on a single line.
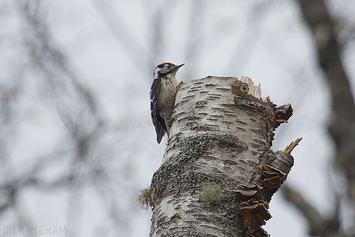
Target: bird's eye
[(169, 66)]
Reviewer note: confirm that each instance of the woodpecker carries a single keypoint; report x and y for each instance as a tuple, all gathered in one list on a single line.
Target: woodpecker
[(162, 97)]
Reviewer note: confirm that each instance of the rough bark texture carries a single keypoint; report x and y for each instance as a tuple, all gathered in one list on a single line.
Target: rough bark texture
[(220, 135)]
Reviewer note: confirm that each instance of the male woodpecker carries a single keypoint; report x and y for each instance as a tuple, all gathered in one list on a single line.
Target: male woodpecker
[(162, 97)]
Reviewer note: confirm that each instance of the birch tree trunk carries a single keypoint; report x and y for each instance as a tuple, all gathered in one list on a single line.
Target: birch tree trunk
[(218, 172)]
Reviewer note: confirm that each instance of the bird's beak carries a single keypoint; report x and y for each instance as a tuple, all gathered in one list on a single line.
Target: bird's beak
[(174, 69), (179, 66)]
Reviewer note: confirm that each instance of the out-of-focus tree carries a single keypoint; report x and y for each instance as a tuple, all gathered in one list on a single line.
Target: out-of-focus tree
[(341, 128), (82, 157)]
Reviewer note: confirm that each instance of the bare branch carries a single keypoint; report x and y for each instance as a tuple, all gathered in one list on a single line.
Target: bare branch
[(135, 52), (319, 226)]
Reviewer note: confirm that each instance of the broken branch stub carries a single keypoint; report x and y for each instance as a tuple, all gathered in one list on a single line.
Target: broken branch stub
[(221, 135)]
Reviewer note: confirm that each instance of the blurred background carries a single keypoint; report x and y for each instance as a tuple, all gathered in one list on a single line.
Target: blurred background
[(76, 139)]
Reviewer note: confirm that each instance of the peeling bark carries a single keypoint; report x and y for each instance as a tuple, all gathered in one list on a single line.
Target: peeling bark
[(220, 135)]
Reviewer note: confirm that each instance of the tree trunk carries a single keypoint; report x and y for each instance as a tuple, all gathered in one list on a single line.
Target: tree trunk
[(342, 124), (218, 173)]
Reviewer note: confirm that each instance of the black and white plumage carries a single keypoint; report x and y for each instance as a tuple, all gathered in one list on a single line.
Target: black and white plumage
[(162, 97)]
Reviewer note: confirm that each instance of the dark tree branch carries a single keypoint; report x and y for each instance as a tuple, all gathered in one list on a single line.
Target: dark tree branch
[(318, 225), (342, 127)]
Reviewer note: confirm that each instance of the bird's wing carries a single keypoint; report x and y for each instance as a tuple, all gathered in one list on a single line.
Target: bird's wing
[(158, 121)]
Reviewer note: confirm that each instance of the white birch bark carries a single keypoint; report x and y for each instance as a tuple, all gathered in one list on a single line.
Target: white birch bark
[(216, 137)]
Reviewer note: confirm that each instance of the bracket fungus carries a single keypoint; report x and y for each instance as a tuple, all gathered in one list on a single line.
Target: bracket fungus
[(282, 114), (247, 191), (273, 177), (255, 213), (275, 172)]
